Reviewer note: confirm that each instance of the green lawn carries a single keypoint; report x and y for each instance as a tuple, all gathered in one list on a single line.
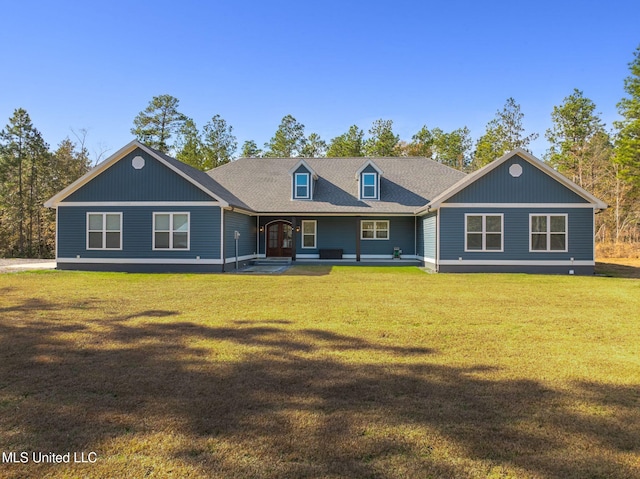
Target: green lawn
[(321, 373)]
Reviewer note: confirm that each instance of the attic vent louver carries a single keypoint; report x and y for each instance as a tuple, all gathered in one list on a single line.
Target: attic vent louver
[(137, 163), (515, 170)]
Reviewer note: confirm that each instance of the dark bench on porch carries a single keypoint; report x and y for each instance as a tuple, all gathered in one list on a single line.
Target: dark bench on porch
[(330, 254)]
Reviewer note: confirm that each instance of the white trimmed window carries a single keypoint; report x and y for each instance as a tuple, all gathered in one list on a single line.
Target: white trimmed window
[(171, 231), (309, 233), (369, 185), (378, 230), (548, 233), (104, 231), (301, 186), (483, 232)]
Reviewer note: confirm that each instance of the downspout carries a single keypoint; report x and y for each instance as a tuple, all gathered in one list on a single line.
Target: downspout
[(358, 229), (437, 240), (57, 226), (415, 236), (294, 243), (222, 254)]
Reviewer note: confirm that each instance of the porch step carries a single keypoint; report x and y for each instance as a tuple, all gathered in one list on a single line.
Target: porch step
[(271, 262)]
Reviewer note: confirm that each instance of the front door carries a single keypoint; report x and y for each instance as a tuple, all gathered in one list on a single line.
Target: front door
[(279, 239)]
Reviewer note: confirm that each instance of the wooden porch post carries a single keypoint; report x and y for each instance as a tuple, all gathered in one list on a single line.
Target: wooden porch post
[(358, 227), (294, 224)]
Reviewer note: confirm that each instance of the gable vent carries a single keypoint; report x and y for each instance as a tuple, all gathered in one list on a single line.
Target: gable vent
[(137, 163)]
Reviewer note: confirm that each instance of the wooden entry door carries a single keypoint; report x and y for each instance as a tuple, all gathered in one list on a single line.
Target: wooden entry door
[(279, 239)]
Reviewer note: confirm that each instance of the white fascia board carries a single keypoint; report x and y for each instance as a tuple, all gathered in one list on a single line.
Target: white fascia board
[(518, 205), (240, 210), (137, 203), (355, 213)]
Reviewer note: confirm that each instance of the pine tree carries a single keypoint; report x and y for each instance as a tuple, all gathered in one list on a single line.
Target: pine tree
[(22, 155), (575, 124), (347, 145), (218, 143), (288, 141), (503, 134), (315, 147), (250, 150), (452, 149), (156, 124), (188, 145), (627, 146)]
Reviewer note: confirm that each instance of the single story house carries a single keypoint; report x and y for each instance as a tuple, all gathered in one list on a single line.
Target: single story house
[(142, 210)]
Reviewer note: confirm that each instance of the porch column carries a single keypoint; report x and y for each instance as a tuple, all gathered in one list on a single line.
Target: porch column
[(358, 227), (294, 224)]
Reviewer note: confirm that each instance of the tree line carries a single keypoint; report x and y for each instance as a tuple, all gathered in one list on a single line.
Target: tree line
[(30, 173), (604, 162)]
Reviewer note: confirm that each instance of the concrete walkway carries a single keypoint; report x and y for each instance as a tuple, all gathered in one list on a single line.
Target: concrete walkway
[(263, 269)]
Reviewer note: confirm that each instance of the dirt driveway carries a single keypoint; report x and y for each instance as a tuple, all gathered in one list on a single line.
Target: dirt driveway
[(8, 265)]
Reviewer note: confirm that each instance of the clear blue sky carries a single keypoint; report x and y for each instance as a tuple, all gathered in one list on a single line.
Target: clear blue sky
[(330, 64)]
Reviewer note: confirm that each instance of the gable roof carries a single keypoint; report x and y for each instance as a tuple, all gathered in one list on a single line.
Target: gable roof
[(525, 155), (293, 169), (367, 163), (264, 184), (196, 177)]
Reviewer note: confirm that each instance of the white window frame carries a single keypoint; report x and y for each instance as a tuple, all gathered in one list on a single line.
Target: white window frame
[(103, 230), (484, 233), (171, 230), (308, 186), (375, 186), (314, 234), (548, 233), (375, 230)]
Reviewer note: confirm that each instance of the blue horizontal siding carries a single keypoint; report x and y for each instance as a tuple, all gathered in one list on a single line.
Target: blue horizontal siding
[(246, 226), (533, 186), (332, 233), (154, 182), (137, 232), (341, 232), (516, 234), (401, 235)]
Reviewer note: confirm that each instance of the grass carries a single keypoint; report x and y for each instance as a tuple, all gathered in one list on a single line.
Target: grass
[(619, 267), (321, 373)]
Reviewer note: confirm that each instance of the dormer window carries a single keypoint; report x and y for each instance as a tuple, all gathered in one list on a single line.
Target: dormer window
[(302, 186), (369, 185), (303, 180), (368, 178)]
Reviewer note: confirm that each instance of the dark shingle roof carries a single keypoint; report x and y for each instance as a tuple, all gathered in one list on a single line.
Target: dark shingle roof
[(264, 184)]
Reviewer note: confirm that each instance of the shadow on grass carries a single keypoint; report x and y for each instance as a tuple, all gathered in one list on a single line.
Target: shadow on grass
[(308, 270), (287, 405), (617, 270)]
